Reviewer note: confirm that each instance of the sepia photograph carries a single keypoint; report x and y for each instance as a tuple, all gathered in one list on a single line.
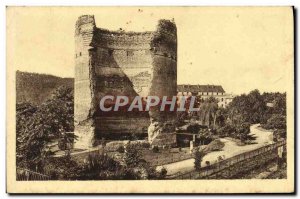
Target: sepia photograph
[(182, 99)]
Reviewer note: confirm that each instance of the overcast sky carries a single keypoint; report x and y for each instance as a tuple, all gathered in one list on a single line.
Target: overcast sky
[(239, 48)]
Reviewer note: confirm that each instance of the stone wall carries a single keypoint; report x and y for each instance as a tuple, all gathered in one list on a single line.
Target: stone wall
[(121, 63)]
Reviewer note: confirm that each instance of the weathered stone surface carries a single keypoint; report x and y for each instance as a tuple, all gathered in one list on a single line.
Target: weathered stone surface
[(85, 132), (121, 63)]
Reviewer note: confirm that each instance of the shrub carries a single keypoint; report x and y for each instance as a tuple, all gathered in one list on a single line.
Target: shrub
[(37, 126), (155, 149), (198, 155), (215, 145), (226, 130), (207, 163), (276, 121), (132, 155), (98, 167), (193, 128), (121, 149), (280, 133), (163, 173)]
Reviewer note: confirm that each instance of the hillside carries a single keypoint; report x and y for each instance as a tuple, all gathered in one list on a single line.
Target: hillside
[(36, 88)]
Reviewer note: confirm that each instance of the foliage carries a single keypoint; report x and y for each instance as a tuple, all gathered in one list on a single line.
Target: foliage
[(239, 131), (205, 134), (37, 126), (193, 128), (242, 132), (247, 108), (208, 112), (215, 145), (253, 107), (132, 156), (221, 116), (61, 168), (66, 141), (155, 149), (226, 131), (278, 100), (276, 121), (99, 166), (198, 156), (279, 133), (121, 149), (180, 117), (163, 173)]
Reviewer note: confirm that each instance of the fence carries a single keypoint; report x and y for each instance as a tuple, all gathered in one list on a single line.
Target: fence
[(230, 167), (159, 160), (28, 175)]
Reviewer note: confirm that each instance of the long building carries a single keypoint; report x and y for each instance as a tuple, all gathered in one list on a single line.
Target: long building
[(205, 92)]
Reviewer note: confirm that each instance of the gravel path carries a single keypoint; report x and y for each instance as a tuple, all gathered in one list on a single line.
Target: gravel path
[(230, 149)]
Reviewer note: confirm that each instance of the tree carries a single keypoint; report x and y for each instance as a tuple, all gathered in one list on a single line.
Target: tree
[(132, 156), (100, 166), (23, 112), (242, 132), (42, 125), (221, 116), (226, 130), (247, 108), (66, 141), (198, 156), (277, 121), (207, 113)]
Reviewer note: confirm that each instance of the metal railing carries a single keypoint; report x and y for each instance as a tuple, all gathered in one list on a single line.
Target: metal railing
[(28, 175), (219, 166)]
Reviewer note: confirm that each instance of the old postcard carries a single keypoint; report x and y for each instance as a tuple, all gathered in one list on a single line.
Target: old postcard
[(150, 100)]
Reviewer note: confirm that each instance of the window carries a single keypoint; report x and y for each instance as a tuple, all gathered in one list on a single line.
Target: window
[(222, 99), (79, 53)]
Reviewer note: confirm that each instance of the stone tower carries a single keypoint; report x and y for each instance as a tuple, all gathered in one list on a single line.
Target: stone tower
[(121, 63)]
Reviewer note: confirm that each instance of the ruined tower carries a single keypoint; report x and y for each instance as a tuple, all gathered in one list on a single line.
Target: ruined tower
[(121, 63)]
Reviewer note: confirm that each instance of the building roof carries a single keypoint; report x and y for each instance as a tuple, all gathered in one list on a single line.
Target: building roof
[(200, 88)]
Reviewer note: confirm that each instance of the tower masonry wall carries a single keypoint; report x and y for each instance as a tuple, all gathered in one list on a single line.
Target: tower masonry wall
[(121, 63)]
